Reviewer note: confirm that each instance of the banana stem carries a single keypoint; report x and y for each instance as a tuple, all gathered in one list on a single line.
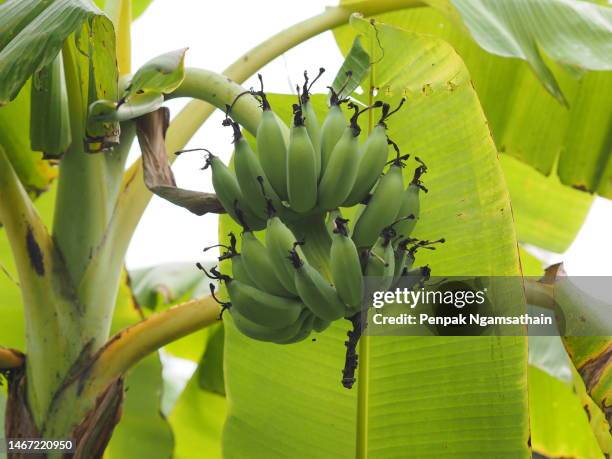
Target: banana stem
[(132, 344), (81, 204), (53, 333)]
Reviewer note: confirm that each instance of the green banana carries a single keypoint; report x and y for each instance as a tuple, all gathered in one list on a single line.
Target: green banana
[(333, 127), (229, 194), (253, 182), (279, 241), (262, 307), (306, 322), (320, 325), (316, 293), (345, 266), (374, 158), (301, 167), (258, 264), (272, 147), (343, 165), (380, 266), (261, 333), (240, 272), (314, 132), (310, 119), (340, 172), (371, 165), (411, 203), (382, 207)]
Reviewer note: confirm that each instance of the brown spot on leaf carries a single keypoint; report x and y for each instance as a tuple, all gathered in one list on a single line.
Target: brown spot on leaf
[(580, 187), (587, 411), (593, 368), (34, 253)]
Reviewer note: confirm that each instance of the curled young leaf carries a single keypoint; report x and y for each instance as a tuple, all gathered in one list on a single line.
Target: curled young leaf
[(162, 74)]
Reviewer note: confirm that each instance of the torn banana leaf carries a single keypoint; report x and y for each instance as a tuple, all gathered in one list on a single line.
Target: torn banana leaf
[(592, 356), (158, 177), (586, 327), (599, 424)]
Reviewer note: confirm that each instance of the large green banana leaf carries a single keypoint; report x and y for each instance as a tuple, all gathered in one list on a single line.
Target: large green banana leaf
[(526, 121), (199, 414), (561, 29), (416, 397)]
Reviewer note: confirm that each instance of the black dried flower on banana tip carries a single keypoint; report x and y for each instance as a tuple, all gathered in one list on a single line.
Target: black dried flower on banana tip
[(301, 273)]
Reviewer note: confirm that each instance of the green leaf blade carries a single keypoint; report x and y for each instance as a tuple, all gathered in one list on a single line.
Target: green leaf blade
[(547, 214), (572, 33)]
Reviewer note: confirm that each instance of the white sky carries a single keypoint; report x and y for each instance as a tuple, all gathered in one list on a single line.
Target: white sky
[(168, 233)]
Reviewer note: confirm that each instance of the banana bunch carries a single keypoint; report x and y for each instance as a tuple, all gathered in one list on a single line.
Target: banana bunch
[(297, 276)]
